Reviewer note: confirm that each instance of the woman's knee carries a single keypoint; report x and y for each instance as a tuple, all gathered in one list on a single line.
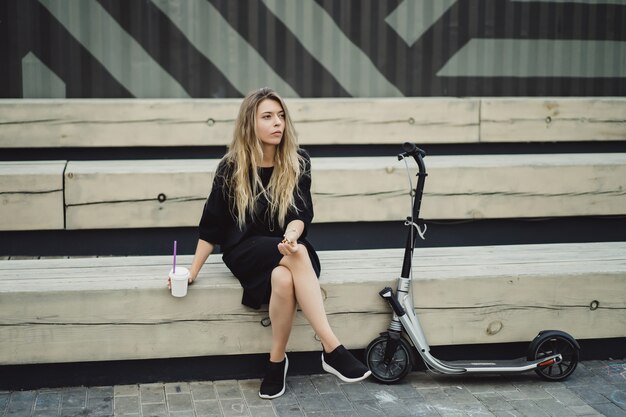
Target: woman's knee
[(282, 281)]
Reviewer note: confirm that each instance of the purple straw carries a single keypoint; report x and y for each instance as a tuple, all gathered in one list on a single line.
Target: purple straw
[(174, 268)]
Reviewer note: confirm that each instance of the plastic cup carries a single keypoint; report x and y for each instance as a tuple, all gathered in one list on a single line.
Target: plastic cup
[(179, 281)]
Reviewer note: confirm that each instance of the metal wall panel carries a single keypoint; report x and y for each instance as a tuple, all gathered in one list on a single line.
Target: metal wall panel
[(312, 48)]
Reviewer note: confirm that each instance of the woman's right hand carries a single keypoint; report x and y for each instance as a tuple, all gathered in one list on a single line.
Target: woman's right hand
[(192, 278)]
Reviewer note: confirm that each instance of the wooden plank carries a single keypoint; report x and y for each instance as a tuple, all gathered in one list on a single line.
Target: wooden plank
[(31, 195), (552, 119), (106, 123), (121, 194), (118, 308)]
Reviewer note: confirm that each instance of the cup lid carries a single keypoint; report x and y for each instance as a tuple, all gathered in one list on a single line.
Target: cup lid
[(181, 272)]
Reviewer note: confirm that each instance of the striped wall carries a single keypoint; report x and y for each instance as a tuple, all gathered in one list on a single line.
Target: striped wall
[(311, 48)]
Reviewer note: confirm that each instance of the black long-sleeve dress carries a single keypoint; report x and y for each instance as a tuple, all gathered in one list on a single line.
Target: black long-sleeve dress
[(251, 253)]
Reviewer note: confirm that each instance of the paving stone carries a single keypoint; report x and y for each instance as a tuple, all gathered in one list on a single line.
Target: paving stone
[(45, 413), (508, 413), (584, 410), (434, 396), (301, 385), (565, 396), (399, 390), (537, 392), (345, 414), (100, 392), (356, 392), (251, 396), (21, 403), (154, 410), (74, 397), (325, 384), (421, 380), (228, 389), (618, 398), (4, 401), (234, 407), (610, 410), (284, 410), (179, 402), (589, 396), (177, 388), (318, 414), (48, 401), (100, 405), (336, 401), (288, 399), (417, 408), (368, 409), (554, 407), (494, 401), (126, 405), (203, 391), (396, 411), (528, 408), (460, 395), (208, 408), (74, 412), (261, 411), (311, 402), (183, 414), (152, 393), (124, 390)]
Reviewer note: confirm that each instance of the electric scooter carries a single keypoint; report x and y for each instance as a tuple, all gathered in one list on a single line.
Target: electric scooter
[(552, 354)]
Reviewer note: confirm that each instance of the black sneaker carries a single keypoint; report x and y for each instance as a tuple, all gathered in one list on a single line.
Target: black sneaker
[(344, 365), (273, 384)]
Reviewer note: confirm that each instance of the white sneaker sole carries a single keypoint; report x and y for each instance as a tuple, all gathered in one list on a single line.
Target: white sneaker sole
[(338, 374), (269, 397)]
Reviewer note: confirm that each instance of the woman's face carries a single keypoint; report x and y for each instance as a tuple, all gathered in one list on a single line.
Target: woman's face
[(270, 122)]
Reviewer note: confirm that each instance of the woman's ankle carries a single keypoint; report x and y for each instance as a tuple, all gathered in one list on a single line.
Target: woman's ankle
[(277, 356), (330, 346)]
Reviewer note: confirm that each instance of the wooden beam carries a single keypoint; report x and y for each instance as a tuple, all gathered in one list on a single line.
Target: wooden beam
[(122, 194), (66, 310), (109, 123), (31, 195), (552, 119)]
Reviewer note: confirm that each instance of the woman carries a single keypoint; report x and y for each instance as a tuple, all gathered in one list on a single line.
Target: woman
[(259, 211)]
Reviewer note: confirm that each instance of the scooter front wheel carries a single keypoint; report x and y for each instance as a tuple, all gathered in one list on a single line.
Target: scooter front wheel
[(552, 344), (396, 367)]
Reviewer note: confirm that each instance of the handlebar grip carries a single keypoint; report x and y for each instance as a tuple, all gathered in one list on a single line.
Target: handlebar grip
[(411, 149)]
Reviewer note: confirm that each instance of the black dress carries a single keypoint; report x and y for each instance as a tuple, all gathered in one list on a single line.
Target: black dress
[(252, 253)]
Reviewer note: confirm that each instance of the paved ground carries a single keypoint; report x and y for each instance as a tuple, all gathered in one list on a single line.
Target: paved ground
[(597, 388)]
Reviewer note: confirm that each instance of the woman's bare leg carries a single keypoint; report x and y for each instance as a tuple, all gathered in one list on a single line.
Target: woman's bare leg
[(282, 311), (309, 296)]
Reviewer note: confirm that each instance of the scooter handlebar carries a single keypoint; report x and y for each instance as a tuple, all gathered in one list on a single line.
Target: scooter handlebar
[(411, 149)]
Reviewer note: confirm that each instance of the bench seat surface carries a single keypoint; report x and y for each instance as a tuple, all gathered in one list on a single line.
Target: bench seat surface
[(61, 310)]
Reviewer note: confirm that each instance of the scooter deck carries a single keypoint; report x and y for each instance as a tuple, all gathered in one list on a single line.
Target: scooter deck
[(499, 366), (483, 363)]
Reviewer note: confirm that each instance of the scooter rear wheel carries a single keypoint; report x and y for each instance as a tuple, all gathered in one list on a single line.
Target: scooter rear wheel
[(394, 370), (552, 345)]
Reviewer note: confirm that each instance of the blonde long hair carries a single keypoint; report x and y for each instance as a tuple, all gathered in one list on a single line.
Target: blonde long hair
[(245, 155)]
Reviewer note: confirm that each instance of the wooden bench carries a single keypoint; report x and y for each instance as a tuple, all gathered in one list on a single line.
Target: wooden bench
[(171, 193), (125, 194), (70, 310), (209, 122)]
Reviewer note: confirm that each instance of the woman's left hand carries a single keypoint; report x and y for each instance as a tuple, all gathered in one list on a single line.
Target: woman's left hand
[(288, 247)]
